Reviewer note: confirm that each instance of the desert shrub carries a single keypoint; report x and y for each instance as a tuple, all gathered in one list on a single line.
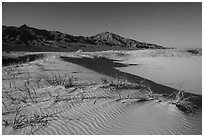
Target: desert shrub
[(33, 122), (145, 88), (123, 83), (25, 93), (57, 79), (187, 106), (119, 83)]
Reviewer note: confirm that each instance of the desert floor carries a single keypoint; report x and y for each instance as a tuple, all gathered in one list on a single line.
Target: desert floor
[(94, 93)]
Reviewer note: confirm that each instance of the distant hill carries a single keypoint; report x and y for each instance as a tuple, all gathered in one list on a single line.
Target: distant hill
[(25, 38)]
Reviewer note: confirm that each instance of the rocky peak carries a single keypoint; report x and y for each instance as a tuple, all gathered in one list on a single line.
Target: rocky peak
[(24, 26), (105, 36)]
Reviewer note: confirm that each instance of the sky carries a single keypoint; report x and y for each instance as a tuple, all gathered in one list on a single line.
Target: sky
[(166, 24)]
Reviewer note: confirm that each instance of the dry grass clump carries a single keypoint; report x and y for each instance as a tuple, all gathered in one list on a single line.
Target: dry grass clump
[(121, 83), (187, 107), (18, 94), (186, 104), (33, 122), (26, 91), (141, 91), (57, 79)]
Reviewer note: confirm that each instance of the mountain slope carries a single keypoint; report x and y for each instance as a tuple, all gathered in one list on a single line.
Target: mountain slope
[(25, 38), (116, 40)]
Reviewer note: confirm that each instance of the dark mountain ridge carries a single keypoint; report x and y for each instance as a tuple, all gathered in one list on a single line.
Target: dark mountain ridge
[(25, 38)]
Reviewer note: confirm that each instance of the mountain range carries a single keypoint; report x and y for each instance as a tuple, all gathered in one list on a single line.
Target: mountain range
[(25, 38)]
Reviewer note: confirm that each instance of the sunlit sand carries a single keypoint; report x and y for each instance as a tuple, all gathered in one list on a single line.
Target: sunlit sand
[(110, 92)]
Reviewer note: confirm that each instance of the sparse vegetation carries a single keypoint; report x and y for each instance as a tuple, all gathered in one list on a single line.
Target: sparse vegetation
[(57, 79), (122, 83), (33, 122), (31, 102), (17, 95), (118, 85)]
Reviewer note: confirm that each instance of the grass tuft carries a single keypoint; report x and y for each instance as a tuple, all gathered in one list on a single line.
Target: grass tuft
[(57, 79)]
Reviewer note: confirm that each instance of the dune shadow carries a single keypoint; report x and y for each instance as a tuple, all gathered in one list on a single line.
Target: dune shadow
[(107, 67)]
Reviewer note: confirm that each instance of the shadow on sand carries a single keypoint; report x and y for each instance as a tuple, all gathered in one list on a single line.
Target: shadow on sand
[(107, 67)]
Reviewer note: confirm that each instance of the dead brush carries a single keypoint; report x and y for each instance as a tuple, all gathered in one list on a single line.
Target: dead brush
[(145, 88), (57, 79), (186, 106), (13, 96), (17, 94), (123, 83), (32, 122), (38, 80), (119, 83), (28, 92)]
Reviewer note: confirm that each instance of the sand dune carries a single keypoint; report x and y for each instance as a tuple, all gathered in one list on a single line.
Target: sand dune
[(94, 105)]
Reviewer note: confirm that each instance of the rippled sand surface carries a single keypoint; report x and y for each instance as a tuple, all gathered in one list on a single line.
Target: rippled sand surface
[(146, 118), (159, 118), (93, 108)]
